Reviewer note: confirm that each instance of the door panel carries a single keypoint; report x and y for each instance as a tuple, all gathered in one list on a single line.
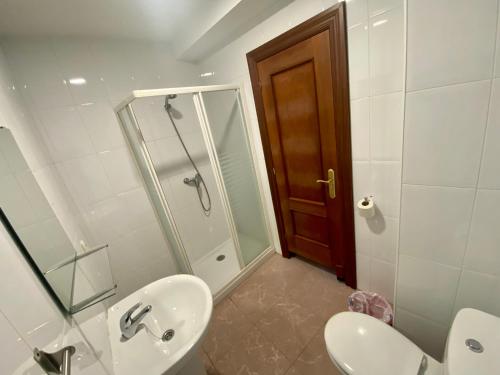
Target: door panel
[(295, 91), (300, 86), (309, 226), (296, 87)]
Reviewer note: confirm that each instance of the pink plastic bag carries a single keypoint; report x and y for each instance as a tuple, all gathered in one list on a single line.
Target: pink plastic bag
[(372, 304)]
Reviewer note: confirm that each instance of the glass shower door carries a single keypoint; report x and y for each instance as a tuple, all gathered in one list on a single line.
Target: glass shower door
[(193, 151), (226, 123), (174, 143)]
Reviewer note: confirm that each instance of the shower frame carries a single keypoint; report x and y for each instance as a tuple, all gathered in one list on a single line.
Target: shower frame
[(180, 252)]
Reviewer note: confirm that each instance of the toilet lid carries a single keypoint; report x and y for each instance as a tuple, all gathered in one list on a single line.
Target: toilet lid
[(362, 345)]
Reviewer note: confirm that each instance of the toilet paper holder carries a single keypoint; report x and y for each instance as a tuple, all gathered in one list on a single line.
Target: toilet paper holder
[(366, 207), (366, 201)]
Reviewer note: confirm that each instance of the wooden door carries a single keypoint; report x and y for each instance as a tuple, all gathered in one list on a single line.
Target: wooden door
[(300, 85)]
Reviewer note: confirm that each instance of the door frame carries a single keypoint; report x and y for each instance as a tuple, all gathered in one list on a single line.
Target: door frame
[(332, 19)]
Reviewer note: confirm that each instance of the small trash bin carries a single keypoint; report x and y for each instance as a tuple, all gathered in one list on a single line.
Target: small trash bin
[(372, 304)]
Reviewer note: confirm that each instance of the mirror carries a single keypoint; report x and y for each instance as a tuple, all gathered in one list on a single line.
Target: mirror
[(37, 231)]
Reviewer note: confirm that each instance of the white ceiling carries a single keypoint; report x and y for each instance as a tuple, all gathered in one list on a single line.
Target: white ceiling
[(138, 19), (194, 28)]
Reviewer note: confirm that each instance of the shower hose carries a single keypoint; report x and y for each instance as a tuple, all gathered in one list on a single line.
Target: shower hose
[(199, 181)]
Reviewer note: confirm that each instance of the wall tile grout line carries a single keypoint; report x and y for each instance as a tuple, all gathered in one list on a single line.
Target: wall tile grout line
[(481, 160)]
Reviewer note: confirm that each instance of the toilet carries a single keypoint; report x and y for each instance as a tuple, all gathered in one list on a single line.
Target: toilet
[(359, 344)]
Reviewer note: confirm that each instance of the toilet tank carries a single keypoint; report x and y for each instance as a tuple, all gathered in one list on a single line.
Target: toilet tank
[(473, 344)]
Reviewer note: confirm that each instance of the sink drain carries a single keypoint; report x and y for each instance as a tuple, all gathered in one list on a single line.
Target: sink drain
[(168, 335), (220, 258)]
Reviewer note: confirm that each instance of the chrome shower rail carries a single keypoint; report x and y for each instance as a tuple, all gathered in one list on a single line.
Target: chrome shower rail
[(136, 94)]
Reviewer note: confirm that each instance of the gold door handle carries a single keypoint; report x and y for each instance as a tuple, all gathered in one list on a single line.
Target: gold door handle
[(330, 182)]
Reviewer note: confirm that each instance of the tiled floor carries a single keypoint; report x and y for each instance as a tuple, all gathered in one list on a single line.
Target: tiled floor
[(273, 322)]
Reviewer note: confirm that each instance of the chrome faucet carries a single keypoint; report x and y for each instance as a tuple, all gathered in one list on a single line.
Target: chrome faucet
[(130, 325)]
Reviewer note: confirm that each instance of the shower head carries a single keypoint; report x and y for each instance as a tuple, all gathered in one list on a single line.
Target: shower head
[(167, 98)]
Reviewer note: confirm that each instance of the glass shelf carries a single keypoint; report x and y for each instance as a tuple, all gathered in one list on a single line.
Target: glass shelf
[(91, 274)]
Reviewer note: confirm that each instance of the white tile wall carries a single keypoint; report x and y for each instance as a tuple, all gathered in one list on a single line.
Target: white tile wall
[(444, 122), (120, 168), (497, 54), (11, 155), (74, 146), (4, 164), (385, 244), (386, 132), (43, 327), (14, 348), (382, 276), (357, 13), (24, 327), (387, 51), (361, 177), (84, 138), (376, 65), (360, 129), (16, 204), (431, 296), (423, 332), (363, 239), (359, 61), (449, 255), (449, 43), (478, 290), (484, 238), (23, 291), (86, 180), (489, 177), (376, 77), (376, 7), (65, 123), (386, 186), (433, 225), (363, 271), (100, 123)]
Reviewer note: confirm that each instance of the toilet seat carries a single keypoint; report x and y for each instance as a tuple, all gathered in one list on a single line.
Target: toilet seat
[(362, 345)]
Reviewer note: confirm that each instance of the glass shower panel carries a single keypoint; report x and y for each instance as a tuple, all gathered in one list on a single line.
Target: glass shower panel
[(174, 141), (151, 185), (233, 150)]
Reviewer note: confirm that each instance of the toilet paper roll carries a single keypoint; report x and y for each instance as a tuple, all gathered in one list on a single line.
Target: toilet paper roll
[(366, 207)]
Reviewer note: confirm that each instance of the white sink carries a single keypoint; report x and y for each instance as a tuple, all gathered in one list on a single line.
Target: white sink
[(182, 303)]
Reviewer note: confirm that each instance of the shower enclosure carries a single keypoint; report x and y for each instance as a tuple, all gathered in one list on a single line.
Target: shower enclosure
[(194, 151)]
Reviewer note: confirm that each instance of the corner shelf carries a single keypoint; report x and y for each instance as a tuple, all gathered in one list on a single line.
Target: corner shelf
[(89, 274)]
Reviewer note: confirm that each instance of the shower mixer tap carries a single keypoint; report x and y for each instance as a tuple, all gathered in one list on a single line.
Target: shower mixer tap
[(194, 181)]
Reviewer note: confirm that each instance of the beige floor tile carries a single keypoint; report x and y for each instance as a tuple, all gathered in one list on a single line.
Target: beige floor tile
[(268, 285), (321, 292), (290, 326), (314, 360), (253, 354), (276, 318), (209, 367), (228, 325)]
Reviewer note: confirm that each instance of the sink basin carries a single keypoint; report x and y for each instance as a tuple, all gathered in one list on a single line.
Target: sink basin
[(182, 303)]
